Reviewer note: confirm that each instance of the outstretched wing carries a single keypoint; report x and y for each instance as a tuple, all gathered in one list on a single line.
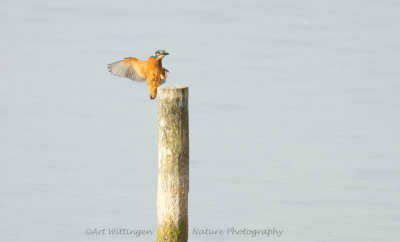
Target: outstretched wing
[(131, 68)]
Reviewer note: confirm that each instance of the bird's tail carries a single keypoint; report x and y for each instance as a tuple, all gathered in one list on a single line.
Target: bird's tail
[(153, 92)]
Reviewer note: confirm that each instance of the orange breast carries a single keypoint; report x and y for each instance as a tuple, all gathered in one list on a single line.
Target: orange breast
[(153, 73)]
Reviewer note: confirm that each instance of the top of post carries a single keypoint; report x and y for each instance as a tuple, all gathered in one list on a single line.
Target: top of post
[(173, 92), (173, 87)]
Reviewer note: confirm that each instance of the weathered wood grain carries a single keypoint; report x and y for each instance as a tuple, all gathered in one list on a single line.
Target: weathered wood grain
[(173, 164)]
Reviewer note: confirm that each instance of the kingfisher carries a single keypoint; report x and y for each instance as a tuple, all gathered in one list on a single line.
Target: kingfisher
[(150, 70)]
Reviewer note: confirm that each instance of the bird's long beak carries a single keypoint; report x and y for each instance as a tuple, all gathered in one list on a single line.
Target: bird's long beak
[(165, 53)]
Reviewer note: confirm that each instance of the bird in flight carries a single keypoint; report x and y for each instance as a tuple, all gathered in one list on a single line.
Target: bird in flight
[(150, 70)]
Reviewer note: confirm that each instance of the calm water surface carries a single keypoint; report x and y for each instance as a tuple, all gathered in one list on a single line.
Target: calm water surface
[(294, 117)]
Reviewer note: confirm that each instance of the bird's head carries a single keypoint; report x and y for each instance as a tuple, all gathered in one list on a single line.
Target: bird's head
[(159, 54)]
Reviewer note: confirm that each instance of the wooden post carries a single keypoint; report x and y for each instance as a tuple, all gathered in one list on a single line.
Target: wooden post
[(173, 164)]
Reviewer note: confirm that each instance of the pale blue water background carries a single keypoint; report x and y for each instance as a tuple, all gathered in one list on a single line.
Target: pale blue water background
[(294, 117)]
